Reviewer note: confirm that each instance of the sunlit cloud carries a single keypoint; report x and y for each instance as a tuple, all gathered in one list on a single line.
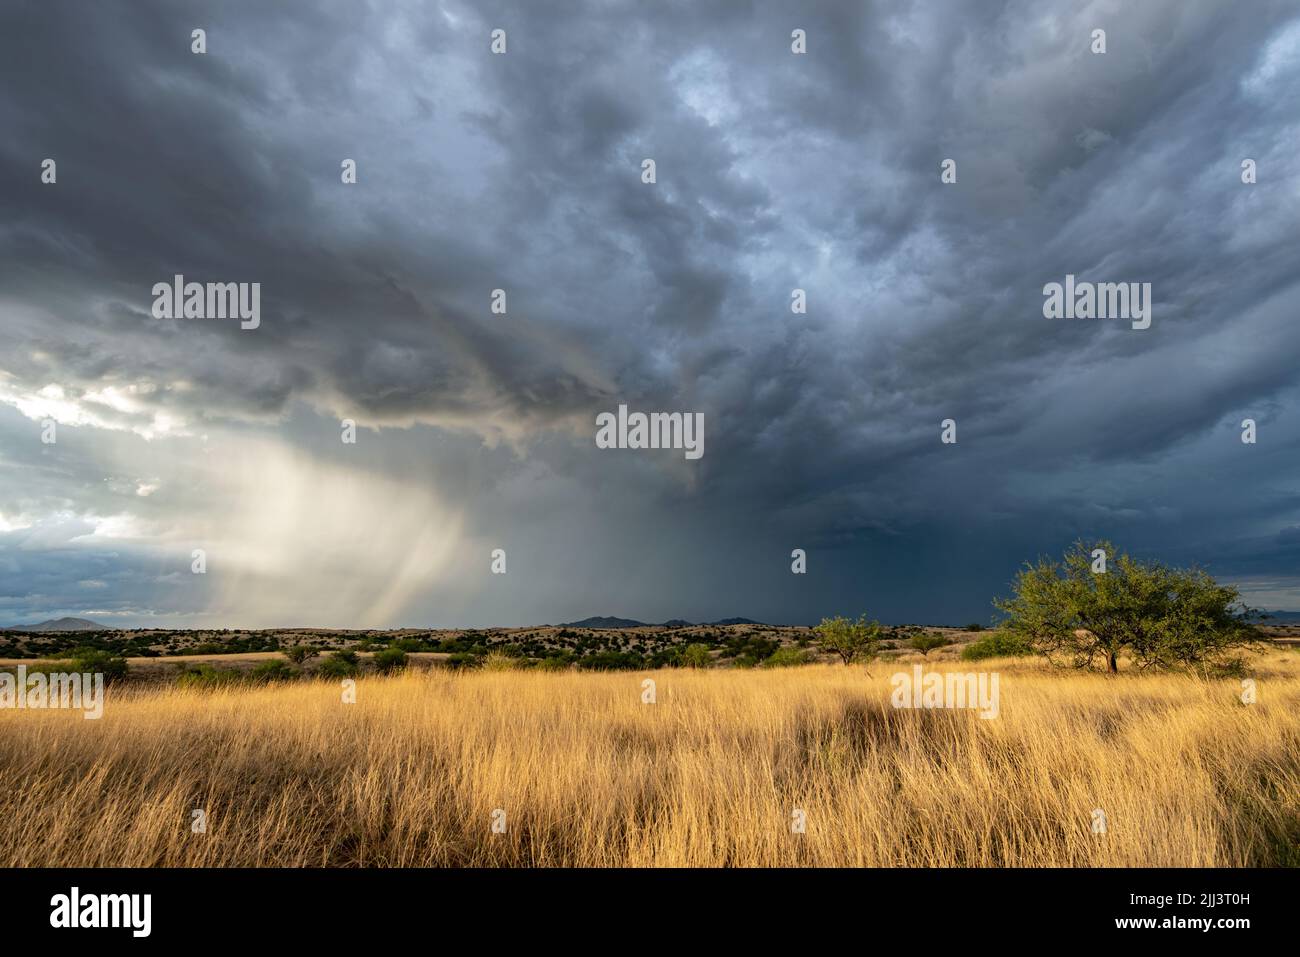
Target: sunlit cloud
[(118, 409)]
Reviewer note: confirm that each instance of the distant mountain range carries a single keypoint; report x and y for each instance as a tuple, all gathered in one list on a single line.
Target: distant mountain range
[(1281, 617), (606, 621), (60, 624)]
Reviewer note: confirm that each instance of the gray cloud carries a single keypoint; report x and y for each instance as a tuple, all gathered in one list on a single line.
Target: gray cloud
[(522, 172)]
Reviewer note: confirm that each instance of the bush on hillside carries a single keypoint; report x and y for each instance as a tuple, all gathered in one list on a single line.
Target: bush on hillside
[(273, 670), (998, 644), (341, 664), (389, 660), (790, 657)]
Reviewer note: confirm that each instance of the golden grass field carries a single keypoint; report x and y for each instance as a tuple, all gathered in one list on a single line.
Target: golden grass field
[(708, 775)]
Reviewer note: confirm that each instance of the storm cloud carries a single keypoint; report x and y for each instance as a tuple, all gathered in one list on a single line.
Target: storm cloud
[(522, 171)]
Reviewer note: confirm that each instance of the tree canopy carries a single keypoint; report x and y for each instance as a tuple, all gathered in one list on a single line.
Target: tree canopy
[(851, 640), (1095, 602)]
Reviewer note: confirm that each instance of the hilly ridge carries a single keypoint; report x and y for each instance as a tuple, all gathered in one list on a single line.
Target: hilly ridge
[(611, 621)]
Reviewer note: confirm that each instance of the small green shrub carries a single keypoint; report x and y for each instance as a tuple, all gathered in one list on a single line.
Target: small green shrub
[(298, 654), (206, 676), (928, 642), (273, 670), (789, 658), (696, 656), (612, 661), (389, 660), (851, 640), (341, 664), (998, 644), (463, 659), (411, 644), (500, 661), (561, 662), (101, 662), (85, 658)]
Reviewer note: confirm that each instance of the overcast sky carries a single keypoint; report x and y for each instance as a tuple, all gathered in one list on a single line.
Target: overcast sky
[(523, 171)]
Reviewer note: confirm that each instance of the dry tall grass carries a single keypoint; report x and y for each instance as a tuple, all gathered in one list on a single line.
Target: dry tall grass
[(709, 775)]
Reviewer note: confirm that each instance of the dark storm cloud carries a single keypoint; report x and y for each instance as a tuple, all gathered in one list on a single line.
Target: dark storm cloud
[(775, 171)]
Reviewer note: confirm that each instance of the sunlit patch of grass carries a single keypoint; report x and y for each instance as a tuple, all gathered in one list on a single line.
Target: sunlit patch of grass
[(709, 774)]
